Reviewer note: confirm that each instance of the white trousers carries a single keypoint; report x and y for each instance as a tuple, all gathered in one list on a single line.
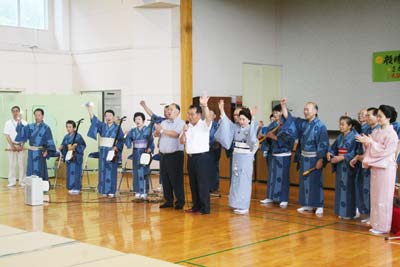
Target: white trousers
[(15, 158)]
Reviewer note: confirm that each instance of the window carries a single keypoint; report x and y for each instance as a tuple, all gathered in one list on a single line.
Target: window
[(24, 13)]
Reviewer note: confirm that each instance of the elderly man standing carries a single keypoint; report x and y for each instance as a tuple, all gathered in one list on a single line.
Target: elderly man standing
[(15, 150), (171, 157), (196, 136), (311, 151)]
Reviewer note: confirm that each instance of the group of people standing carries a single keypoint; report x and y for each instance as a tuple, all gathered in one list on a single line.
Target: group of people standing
[(363, 156)]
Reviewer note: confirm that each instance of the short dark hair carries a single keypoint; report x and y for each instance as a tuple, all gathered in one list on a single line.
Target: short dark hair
[(139, 114), (39, 109), (109, 111), (374, 110), (71, 122), (347, 119), (277, 108), (246, 112), (389, 111), (167, 106), (15, 107), (271, 116), (197, 108)]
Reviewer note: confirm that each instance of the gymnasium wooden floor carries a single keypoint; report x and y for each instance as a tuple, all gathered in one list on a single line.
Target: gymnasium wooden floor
[(267, 236)]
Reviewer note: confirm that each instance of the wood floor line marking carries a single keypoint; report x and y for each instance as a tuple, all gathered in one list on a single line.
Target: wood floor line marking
[(257, 242), (194, 264)]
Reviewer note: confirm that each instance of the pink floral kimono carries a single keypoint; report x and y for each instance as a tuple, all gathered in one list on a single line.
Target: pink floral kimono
[(380, 157)]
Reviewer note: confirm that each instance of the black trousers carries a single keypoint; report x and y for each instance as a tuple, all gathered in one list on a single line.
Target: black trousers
[(198, 169), (172, 177)]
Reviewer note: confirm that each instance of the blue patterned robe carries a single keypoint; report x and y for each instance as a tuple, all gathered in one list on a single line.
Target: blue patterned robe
[(74, 167), (242, 163), (279, 165), (107, 169), (363, 177), (345, 195), (138, 138), (38, 136), (266, 144), (313, 137), (215, 155)]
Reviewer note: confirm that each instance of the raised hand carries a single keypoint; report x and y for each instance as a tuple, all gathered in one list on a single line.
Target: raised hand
[(221, 105), (283, 102), (254, 110), (204, 100), (142, 103)]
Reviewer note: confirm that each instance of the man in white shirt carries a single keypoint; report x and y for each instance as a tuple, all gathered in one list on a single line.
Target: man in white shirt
[(15, 150), (196, 136)]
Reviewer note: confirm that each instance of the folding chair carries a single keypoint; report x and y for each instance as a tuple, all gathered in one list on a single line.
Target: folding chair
[(92, 155), (124, 171)]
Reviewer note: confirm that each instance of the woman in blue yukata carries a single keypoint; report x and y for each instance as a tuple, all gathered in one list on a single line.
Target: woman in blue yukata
[(74, 165), (282, 135), (340, 154), (243, 136), (143, 142), (109, 132)]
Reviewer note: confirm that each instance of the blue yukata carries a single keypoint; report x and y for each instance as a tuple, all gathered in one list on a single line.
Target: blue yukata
[(74, 166), (215, 155), (266, 144), (364, 127), (245, 145), (279, 161), (40, 138), (363, 178), (345, 192), (107, 169), (313, 146), (139, 139)]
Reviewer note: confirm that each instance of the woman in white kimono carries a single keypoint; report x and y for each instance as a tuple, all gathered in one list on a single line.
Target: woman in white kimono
[(380, 155), (245, 144)]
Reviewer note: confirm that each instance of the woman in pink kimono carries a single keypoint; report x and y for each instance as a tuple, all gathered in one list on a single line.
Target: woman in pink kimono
[(380, 156)]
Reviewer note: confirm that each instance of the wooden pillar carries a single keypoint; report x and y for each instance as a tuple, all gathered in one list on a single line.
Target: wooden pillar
[(186, 56)]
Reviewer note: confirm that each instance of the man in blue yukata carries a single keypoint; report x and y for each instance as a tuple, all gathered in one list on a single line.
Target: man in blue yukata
[(41, 144), (310, 154)]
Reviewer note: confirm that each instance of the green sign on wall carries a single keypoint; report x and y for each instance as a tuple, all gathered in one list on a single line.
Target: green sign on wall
[(386, 66)]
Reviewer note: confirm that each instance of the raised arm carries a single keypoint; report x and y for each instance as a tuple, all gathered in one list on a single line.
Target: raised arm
[(146, 108), (206, 112), (285, 112)]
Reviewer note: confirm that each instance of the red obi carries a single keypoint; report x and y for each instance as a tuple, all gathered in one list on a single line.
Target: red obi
[(342, 151)]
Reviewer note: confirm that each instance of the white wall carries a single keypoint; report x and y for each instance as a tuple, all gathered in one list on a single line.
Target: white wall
[(326, 51), (36, 72), (116, 46), (226, 34), (46, 68)]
